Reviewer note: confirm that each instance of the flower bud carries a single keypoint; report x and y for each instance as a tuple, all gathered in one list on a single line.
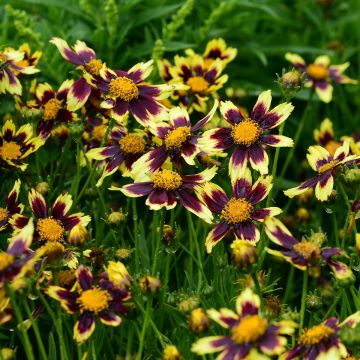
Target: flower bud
[(350, 336), (149, 284), (168, 234), (243, 254), (7, 353), (123, 253), (290, 83), (42, 187), (302, 214), (272, 305), (352, 176), (171, 353), (118, 274), (116, 217), (198, 321), (78, 235), (188, 304), (313, 302), (347, 281)]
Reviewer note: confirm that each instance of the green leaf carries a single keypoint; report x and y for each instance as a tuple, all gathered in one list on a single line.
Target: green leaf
[(154, 13), (52, 347)]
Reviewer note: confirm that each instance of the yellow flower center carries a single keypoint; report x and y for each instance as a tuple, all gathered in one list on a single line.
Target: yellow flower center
[(50, 229), (5, 260), (247, 132), (51, 109), (317, 72), (307, 249), (166, 180), (327, 166), (10, 150), (250, 328), (94, 300), (123, 88), (99, 132), (3, 214), (198, 84), (93, 66), (236, 210), (316, 334), (175, 138), (132, 144)]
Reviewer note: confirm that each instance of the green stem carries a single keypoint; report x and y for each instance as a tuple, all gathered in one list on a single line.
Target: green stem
[(35, 327), (144, 328), (136, 235), (297, 135), (289, 285), (159, 232), (24, 336), (355, 298), (303, 300), (258, 290)]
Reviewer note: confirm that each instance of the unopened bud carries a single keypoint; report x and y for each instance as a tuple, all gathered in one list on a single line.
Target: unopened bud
[(290, 83), (243, 254), (168, 234), (352, 176), (42, 187), (198, 321), (188, 304), (313, 302), (272, 305), (302, 214), (123, 253), (78, 235), (149, 284), (171, 353), (116, 217)]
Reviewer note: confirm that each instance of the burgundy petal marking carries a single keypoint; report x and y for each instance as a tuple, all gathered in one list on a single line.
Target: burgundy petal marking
[(84, 277), (158, 197)]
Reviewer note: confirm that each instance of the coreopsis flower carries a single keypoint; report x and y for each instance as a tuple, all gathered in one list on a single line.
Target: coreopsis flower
[(91, 300), (84, 58), (238, 213), (326, 166), (171, 353), (29, 59), (6, 312), (126, 92), (15, 146), (325, 134), (198, 320), (54, 107), (320, 74), (51, 224), (11, 65), (322, 341), (18, 259), (243, 254), (149, 284), (248, 134), (12, 206), (216, 49), (251, 335), (164, 188), (117, 273), (307, 254), (125, 149), (94, 132), (200, 81), (180, 141)]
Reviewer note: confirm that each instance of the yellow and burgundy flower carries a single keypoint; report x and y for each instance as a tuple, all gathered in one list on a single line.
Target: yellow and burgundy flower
[(28, 59), (326, 167), (248, 134), (54, 107), (125, 149), (126, 92), (322, 341), (12, 206), (17, 145), (251, 334), (51, 224), (237, 213), (180, 141), (321, 73), (11, 65), (84, 58), (200, 81), (94, 132), (14, 262), (91, 300), (305, 254), (165, 188)]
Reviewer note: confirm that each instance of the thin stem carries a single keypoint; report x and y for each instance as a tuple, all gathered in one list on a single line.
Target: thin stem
[(303, 300), (144, 328), (24, 336), (35, 327), (258, 290), (159, 232), (289, 285), (136, 235)]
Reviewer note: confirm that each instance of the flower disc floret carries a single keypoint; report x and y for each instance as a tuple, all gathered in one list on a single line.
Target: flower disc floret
[(50, 229), (236, 210), (94, 300), (316, 334), (317, 72), (132, 144), (5, 260), (4, 213), (328, 166), (247, 132), (198, 84), (51, 109), (123, 88), (175, 138), (93, 66), (249, 329), (10, 150), (307, 249), (166, 180)]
